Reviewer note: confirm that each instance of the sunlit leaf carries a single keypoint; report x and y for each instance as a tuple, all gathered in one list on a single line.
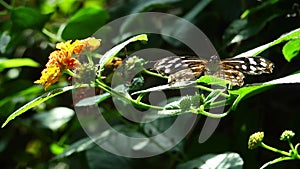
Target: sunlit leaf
[(12, 63), (291, 49), (288, 36), (212, 80), (36, 102), (253, 89), (108, 56)]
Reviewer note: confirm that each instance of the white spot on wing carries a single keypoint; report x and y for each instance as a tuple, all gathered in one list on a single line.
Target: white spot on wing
[(264, 64), (252, 68), (244, 67), (252, 61)]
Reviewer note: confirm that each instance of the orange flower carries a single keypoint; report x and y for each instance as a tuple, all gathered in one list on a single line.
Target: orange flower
[(62, 59)]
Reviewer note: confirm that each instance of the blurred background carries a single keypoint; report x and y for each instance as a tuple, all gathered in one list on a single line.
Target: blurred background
[(37, 139)]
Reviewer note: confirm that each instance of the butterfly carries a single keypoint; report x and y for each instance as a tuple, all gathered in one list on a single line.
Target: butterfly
[(184, 68)]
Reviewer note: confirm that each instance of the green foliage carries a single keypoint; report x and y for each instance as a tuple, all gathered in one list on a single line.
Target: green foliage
[(30, 30), (84, 22), (27, 18)]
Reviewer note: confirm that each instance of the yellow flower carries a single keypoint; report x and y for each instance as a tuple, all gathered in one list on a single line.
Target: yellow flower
[(62, 59), (255, 140), (49, 76)]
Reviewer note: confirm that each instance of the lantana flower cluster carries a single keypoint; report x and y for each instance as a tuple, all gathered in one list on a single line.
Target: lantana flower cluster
[(62, 59)]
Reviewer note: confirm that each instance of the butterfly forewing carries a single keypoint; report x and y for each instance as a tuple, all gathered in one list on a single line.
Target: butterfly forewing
[(180, 68)]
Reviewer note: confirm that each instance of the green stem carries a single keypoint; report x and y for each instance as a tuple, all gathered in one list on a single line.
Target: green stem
[(69, 72), (154, 74), (139, 98), (123, 97), (274, 149), (211, 90), (276, 161), (6, 5), (90, 58), (51, 35), (205, 113)]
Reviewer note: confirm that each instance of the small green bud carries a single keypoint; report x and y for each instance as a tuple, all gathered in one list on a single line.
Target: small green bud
[(255, 140), (185, 104), (287, 135)]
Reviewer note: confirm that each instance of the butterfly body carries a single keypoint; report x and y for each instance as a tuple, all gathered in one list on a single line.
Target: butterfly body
[(185, 68)]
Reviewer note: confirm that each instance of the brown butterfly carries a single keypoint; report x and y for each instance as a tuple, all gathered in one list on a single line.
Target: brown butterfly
[(183, 68)]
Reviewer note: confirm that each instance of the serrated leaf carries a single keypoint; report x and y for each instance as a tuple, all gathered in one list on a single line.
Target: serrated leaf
[(36, 102), (13, 63), (84, 23), (291, 49), (174, 107), (217, 161)]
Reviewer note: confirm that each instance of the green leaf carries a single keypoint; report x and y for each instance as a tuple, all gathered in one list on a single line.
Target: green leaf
[(212, 97), (108, 56), (78, 146), (56, 148), (36, 102), (291, 49), (251, 24), (55, 118), (89, 101), (28, 18), (84, 23), (227, 160), (248, 91), (286, 37), (12, 63), (212, 80), (173, 107), (108, 160)]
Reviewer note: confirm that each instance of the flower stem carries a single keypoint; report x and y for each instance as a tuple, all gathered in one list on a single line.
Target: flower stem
[(69, 72), (275, 149)]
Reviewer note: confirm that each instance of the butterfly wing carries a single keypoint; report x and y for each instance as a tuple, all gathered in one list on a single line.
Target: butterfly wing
[(180, 68), (249, 65)]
